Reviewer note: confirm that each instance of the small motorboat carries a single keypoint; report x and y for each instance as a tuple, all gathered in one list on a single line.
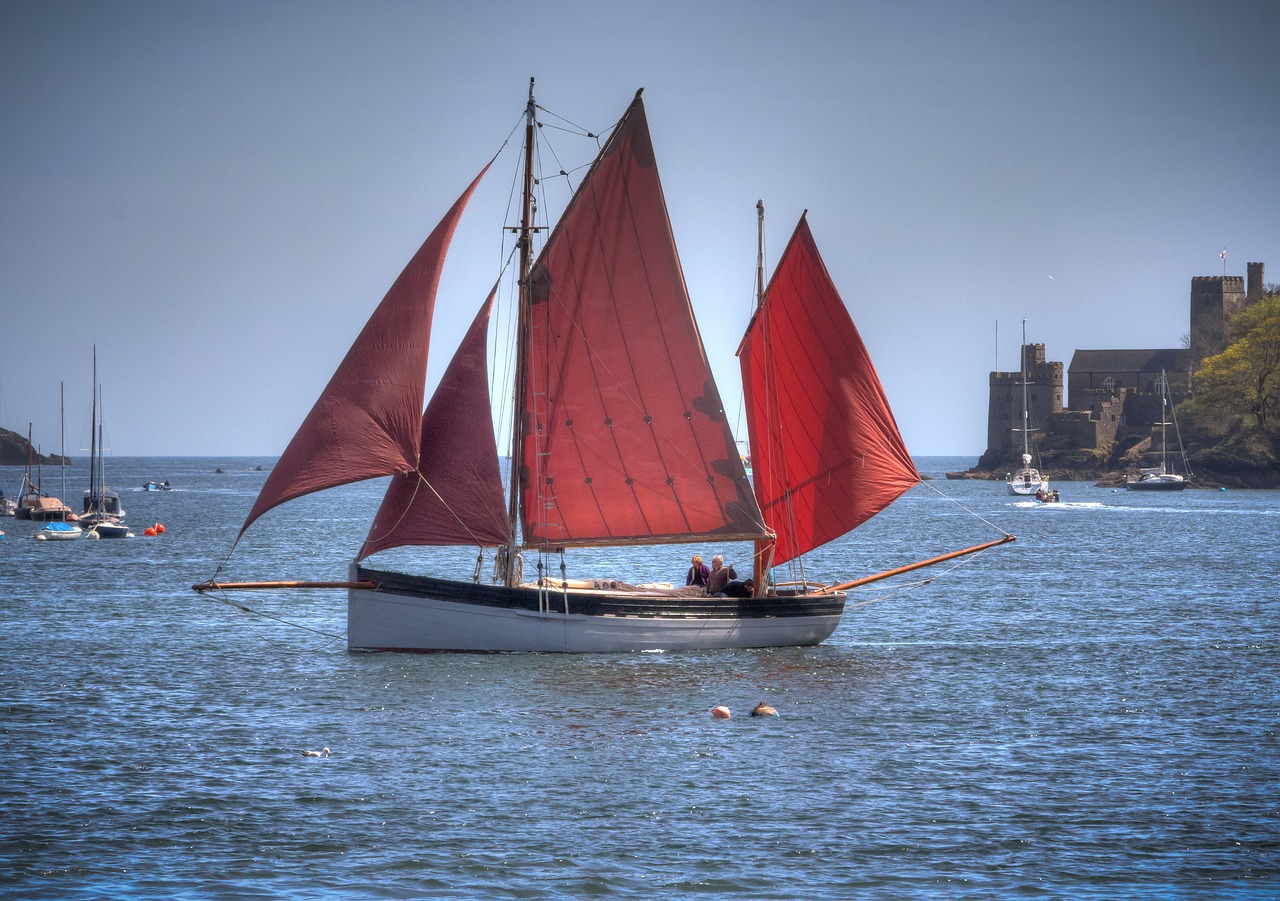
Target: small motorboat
[(157, 486)]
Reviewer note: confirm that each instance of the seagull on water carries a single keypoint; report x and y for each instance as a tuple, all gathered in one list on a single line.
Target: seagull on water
[(323, 752)]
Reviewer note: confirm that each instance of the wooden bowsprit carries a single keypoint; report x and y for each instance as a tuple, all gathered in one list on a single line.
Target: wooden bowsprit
[(867, 580)]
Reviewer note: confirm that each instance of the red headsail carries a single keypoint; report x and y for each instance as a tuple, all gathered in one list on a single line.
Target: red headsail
[(455, 496), (367, 421), (826, 454), (626, 437)]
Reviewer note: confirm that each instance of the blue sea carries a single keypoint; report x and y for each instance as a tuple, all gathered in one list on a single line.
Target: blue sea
[(1089, 712)]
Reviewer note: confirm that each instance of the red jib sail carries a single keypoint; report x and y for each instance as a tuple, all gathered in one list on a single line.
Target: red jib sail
[(367, 421), (626, 438), (826, 454), (455, 495)]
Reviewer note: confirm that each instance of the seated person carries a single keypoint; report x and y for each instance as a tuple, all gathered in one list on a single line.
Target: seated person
[(720, 575), (698, 573)]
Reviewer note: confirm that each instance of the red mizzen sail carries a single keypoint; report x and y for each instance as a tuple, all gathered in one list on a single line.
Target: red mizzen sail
[(367, 421), (455, 496), (826, 454), (626, 437)]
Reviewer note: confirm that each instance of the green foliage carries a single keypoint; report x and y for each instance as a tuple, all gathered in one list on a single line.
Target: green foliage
[(1238, 391)]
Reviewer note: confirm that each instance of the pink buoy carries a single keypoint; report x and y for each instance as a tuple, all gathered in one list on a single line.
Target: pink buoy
[(721, 712)]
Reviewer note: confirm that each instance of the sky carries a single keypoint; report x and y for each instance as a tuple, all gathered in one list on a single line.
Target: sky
[(217, 194)]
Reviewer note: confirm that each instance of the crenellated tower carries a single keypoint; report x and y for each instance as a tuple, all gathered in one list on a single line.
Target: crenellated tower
[(1214, 300)]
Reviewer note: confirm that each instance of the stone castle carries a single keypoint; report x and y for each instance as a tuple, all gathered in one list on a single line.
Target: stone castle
[(1112, 395)]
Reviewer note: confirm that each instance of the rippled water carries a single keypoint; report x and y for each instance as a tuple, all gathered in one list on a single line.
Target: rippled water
[(1090, 712)]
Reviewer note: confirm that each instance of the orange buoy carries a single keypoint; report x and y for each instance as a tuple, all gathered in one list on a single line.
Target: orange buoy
[(149, 531), (720, 713), (159, 528), (763, 709)]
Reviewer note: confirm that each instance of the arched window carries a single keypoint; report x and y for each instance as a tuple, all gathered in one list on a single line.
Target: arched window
[(1108, 384)]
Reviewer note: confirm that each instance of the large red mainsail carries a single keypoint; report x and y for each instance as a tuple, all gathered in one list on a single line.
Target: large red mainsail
[(826, 454), (367, 421), (455, 495), (626, 438)]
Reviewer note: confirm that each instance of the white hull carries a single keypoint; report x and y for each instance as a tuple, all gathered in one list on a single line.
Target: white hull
[(1025, 482), (47, 534), (401, 619)]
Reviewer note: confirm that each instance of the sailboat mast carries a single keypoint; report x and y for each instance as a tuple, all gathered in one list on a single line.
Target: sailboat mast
[(93, 439), (62, 437), (1022, 352), (759, 254), (522, 337)]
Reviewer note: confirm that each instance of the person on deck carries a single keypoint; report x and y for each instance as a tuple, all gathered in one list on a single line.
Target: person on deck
[(698, 573), (720, 575)]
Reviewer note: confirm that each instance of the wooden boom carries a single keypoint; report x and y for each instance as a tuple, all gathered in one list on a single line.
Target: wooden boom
[(923, 563), (250, 586)]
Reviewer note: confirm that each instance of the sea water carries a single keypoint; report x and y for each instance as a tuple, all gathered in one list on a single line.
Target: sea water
[(1089, 712)]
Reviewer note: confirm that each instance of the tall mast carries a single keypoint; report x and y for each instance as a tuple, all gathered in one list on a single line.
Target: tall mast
[(93, 440), (1022, 351), (759, 254), (62, 437), (522, 338)]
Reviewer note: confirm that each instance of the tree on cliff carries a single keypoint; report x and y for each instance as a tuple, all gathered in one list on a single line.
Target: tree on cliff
[(1238, 391)]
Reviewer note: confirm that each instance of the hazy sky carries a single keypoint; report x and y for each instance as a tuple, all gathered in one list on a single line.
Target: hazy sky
[(217, 194)]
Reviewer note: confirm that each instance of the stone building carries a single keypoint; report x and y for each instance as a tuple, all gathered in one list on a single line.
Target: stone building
[(1113, 394)]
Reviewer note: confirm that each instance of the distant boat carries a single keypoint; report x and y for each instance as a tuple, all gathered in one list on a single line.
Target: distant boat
[(620, 439), (1026, 480), (101, 505), (157, 486), (1161, 478)]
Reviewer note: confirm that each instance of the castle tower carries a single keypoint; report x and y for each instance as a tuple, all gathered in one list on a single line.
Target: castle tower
[(1004, 410), (1214, 300), (1255, 284)]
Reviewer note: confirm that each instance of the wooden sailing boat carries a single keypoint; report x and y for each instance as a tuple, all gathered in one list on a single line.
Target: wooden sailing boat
[(620, 439), (33, 503)]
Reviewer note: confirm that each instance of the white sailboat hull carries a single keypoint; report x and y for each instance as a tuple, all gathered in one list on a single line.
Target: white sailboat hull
[(1025, 482), (416, 614)]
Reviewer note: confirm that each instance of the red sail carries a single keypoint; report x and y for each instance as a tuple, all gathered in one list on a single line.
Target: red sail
[(826, 454), (455, 496), (626, 438), (366, 423)]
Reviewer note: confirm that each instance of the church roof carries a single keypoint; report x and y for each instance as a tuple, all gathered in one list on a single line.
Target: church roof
[(1169, 359)]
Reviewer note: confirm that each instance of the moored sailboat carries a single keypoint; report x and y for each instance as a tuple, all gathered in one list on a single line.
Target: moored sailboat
[(61, 529), (619, 439), (103, 512), (1161, 478), (33, 503)]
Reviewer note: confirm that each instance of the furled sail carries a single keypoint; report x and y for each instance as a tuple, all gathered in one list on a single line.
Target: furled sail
[(626, 438), (455, 495), (826, 454), (367, 421)]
